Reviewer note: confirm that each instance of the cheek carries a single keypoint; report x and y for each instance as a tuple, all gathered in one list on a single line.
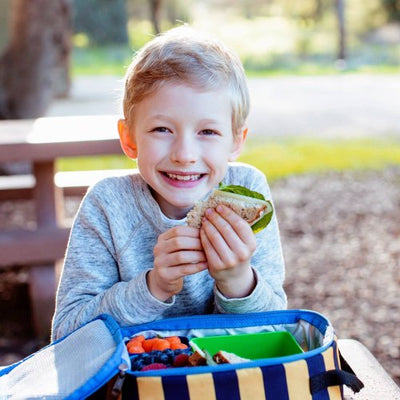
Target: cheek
[(150, 151), (217, 160), (218, 152)]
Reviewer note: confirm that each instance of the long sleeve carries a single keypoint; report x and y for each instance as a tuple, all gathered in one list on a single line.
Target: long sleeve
[(91, 283)]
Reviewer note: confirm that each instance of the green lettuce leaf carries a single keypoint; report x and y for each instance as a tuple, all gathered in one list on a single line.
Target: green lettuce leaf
[(243, 191), (263, 222), (237, 189)]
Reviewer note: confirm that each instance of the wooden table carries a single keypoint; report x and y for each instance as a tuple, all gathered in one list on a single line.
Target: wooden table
[(42, 142)]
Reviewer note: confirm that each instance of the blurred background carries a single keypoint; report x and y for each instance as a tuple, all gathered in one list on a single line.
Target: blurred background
[(71, 38), (324, 77)]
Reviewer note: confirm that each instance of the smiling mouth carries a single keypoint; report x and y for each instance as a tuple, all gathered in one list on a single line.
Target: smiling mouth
[(183, 178)]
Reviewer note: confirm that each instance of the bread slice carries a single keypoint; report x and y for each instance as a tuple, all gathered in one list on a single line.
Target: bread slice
[(250, 209), (224, 357)]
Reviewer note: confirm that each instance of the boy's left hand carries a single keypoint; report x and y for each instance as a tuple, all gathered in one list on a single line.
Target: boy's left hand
[(228, 244)]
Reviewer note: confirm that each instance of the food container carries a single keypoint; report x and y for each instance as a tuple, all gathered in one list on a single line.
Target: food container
[(251, 346)]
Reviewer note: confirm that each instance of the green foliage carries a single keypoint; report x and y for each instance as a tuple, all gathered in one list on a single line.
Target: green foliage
[(103, 21), (140, 32), (271, 37), (104, 60)]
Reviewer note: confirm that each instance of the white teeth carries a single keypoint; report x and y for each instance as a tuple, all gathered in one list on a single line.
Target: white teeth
[(184, 178)]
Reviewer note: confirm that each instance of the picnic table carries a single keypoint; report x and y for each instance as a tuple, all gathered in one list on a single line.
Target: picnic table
[(378, 385), (42, 141)]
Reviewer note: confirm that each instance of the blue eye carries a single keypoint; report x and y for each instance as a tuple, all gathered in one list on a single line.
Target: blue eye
[(209, 132), (161, 129)]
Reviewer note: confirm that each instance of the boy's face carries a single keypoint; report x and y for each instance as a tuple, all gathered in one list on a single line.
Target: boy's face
[(182, 138)]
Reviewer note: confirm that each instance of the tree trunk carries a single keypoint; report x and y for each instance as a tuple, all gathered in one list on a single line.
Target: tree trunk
[(4, 23), (340, 7), (155, 10), (35, 64)]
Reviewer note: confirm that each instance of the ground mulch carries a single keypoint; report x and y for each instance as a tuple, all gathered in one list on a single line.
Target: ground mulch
[(341, 242)]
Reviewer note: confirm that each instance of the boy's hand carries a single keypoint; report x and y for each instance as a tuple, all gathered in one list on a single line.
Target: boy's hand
[(228, 244), (178, 253)]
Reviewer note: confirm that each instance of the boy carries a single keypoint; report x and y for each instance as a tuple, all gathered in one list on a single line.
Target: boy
[(131, 253)]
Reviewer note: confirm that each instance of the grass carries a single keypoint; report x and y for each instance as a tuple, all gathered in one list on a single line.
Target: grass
[(279, 159), (105, 60)]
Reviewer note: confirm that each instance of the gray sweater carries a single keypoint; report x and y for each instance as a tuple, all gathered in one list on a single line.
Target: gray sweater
[(110, 252)]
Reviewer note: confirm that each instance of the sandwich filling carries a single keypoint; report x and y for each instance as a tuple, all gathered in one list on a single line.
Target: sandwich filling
[(252, 207)]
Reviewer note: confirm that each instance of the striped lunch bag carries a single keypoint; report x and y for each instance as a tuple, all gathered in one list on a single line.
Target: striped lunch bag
[(93, 362), (313, 373)]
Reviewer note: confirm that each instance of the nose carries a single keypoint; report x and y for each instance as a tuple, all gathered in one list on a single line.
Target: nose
[(183, 150)]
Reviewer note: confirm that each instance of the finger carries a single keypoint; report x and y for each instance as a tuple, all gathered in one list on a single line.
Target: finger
[(229, 247), (226, 231), (191, 269), (180, 258), (213, 257), (174, 273), (180, 243), (181, 230), (240, 226)]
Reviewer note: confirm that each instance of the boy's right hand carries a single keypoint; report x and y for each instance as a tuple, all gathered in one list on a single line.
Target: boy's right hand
[(178, 253)]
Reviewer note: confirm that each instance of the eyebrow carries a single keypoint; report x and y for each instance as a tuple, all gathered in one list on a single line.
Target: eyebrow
[(165, 117), (160, 116)]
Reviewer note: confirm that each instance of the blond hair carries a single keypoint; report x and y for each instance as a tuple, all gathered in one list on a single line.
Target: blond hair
[(183, 55)]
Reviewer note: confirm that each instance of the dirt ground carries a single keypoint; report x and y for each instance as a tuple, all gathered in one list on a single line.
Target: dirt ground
[(341, 241)]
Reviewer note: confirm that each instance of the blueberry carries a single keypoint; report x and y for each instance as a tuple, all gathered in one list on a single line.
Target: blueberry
[(137, 365), (169, 352), (164, 359)]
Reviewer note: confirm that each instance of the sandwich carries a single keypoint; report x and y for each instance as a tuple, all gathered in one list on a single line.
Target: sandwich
[(250, 205), (203, 357), (224, 357)]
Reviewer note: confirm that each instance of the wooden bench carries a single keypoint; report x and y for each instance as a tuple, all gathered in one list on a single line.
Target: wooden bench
[(25, 247), (72, 183), (41, 142)]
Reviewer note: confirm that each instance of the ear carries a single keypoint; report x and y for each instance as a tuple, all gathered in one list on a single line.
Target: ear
[(238, 141), (127, 139)]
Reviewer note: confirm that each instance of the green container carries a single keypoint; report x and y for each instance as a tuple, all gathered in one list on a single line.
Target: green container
[(252, 346)]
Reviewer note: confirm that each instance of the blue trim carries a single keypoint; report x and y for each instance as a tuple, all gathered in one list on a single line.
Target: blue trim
[(232, 321)]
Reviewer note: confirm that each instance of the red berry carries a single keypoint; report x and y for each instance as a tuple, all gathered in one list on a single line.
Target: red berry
[(181, 360), (153, 366)]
